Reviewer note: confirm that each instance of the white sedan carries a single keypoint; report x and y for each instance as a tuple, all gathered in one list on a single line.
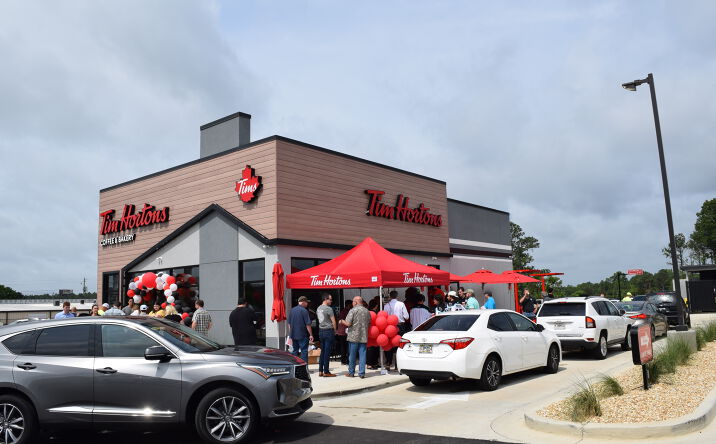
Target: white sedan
[(476, 344)]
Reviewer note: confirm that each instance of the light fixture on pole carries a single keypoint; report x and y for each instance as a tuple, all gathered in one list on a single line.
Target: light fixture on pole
[(631, 86)]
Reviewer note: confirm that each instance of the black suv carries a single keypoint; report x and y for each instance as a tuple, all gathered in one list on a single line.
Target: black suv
[(666, 302)]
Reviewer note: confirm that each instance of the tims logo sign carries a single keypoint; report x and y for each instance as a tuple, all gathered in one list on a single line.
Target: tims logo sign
[(249, 184)]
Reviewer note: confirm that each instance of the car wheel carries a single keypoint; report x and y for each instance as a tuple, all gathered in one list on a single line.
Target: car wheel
[(552, 359), (225, 416), (418, 381), (601, 351), (491, 374), (17, 420), (626, 345)]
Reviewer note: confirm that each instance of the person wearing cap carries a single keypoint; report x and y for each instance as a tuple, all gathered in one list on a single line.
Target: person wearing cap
[(143, 310), (299, 328), (116, 310), (103, 308), (627, 298), (472, 303)]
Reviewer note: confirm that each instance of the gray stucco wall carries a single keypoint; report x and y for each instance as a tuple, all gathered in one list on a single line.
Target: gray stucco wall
[(475, 223), (231, 133)]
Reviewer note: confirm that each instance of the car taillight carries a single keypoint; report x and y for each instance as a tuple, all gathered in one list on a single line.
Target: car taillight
[(639, 316), (403, 341), (589, 322), (458, 343)]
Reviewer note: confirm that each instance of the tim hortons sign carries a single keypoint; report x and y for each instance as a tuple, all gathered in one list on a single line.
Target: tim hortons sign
[(401, 210), (249, 184), (148, 215)]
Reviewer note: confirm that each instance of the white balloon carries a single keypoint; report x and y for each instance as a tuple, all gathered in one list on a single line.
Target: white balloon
[(170, 299), (132, 286), (158, 280), (160, 286), (137, 299), (173, 287), (168, 294)]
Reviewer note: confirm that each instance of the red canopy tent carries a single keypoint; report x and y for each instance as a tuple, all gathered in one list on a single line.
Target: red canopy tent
[(482, 277), (368, 265)]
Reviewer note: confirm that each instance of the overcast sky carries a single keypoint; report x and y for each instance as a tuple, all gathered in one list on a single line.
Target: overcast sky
[(516, 105)]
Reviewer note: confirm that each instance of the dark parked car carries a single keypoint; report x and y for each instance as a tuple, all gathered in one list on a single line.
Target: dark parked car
[(114, 372), (642, 312), (666, 302)]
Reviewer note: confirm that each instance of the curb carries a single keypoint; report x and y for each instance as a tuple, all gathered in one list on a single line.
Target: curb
[(337, 393), (692, 422)]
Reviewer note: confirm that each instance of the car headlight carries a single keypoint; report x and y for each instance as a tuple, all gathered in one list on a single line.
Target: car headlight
[(266, 371)]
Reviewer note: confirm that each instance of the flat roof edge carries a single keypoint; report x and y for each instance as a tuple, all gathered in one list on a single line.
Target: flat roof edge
[(478, 206)]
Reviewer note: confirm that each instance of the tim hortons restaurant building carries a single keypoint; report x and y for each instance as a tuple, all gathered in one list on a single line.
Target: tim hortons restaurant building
[(225, 219)]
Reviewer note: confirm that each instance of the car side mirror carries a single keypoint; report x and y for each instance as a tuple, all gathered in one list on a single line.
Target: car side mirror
[(622, 311), (158, 353), (539, 327)]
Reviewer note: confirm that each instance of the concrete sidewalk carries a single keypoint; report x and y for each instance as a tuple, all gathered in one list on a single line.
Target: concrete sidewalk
[(341, 385)]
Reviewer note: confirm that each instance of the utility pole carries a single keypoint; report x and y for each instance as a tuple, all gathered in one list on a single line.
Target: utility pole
[(84, 285)]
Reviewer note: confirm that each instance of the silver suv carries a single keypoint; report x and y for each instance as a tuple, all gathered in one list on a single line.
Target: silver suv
[(585, 323), (113, 371)]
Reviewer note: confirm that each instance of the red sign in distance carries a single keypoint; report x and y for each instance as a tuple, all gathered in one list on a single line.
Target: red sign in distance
[(249, 184), (635, 271), (646, 351)]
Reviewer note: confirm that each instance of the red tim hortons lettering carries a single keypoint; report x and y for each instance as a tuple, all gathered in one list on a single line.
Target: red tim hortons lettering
[(148, 215), (401, 210)]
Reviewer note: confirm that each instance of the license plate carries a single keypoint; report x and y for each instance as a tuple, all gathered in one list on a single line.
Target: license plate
[(425, 348), (559, 327)]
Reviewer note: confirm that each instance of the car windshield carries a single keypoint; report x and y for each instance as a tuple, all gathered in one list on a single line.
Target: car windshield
[(662, 299), (630, 306), (562, 309), (448, 323), (182, 337)]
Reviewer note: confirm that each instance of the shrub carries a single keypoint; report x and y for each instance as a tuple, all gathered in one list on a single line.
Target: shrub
[(609, 386), (676, 352), (709, 330), (584, 403), (700, 338)]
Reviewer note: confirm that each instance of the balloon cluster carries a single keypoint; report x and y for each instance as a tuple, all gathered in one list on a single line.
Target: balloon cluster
[(383, 331)]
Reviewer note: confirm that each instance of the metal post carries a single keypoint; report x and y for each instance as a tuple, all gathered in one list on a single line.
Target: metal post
[(667, 201), (619, 285), (645, 375)]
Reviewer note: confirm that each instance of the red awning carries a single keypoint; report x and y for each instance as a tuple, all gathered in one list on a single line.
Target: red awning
[(368, 265), (510, 277), (482, 277), (456, 278), (278, 309)]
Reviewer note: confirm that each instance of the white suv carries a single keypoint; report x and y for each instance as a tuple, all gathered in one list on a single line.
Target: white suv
[(585, 323)]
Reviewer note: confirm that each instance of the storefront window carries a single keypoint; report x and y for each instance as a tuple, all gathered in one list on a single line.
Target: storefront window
[(187, 281), (252, 285), (314, 296)]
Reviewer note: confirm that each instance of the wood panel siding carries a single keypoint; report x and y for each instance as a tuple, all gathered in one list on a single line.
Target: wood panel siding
[(187, 191), (321, 198)]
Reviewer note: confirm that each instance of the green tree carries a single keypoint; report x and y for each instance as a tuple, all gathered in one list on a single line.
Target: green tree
[(9, 293), (703, 239), (681, 247), (521, 245)]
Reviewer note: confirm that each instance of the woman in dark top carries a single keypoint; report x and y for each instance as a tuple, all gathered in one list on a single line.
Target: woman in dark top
[(243, 323)]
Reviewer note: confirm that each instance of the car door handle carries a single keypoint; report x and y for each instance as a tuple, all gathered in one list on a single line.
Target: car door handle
[(107, 370), (524, 338), (27, 366)]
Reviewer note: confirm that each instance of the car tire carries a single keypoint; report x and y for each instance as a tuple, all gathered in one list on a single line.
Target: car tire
[(418, 381), (227, 407), (601, 351), (491, 374), (20, 417), (626, 345), (553, 359)]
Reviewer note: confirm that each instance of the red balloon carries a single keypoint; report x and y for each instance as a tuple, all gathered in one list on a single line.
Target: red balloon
[(372, 317), (164, 305), (391, 331), (172, 304), (371, 342), (382, 340), (392, 320), (149, 279), (130, 293), (136, 278), (192, 280), (395, 340), (184, 315), (171, 280), (388, 347), (147, 298), (381, 322), (373, 332), (382, 314)]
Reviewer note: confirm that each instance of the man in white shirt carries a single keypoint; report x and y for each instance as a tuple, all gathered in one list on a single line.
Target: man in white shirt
[(420, 313), (397, 308)]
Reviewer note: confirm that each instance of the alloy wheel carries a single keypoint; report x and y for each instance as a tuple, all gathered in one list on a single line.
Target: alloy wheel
[(554, 358), (603, 345), (227, 419), (493, 373), (12, 423)]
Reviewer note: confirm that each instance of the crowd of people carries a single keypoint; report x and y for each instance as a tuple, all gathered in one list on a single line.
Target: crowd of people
[(199, 319)]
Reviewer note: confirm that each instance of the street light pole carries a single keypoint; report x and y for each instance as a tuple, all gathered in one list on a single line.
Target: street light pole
[(631, 86)]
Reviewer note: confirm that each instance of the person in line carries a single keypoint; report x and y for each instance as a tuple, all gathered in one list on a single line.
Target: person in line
[(170, 310), (357, 321), (73, 310), (397, 308), (65, 313), (420, 313), (341, 333), (489, 301), (129, 309), (440, 306), (549, 295), (157, 311), (527, 303), (94, 311), (242, 321), (299, 328), (627, 298), (471, 303), (143, 310), (410, 294), (115, 310), (103, 308), (201, 321), (326, 334)]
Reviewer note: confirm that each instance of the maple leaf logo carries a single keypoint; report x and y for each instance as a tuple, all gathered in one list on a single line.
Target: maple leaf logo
[(249, 184)]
